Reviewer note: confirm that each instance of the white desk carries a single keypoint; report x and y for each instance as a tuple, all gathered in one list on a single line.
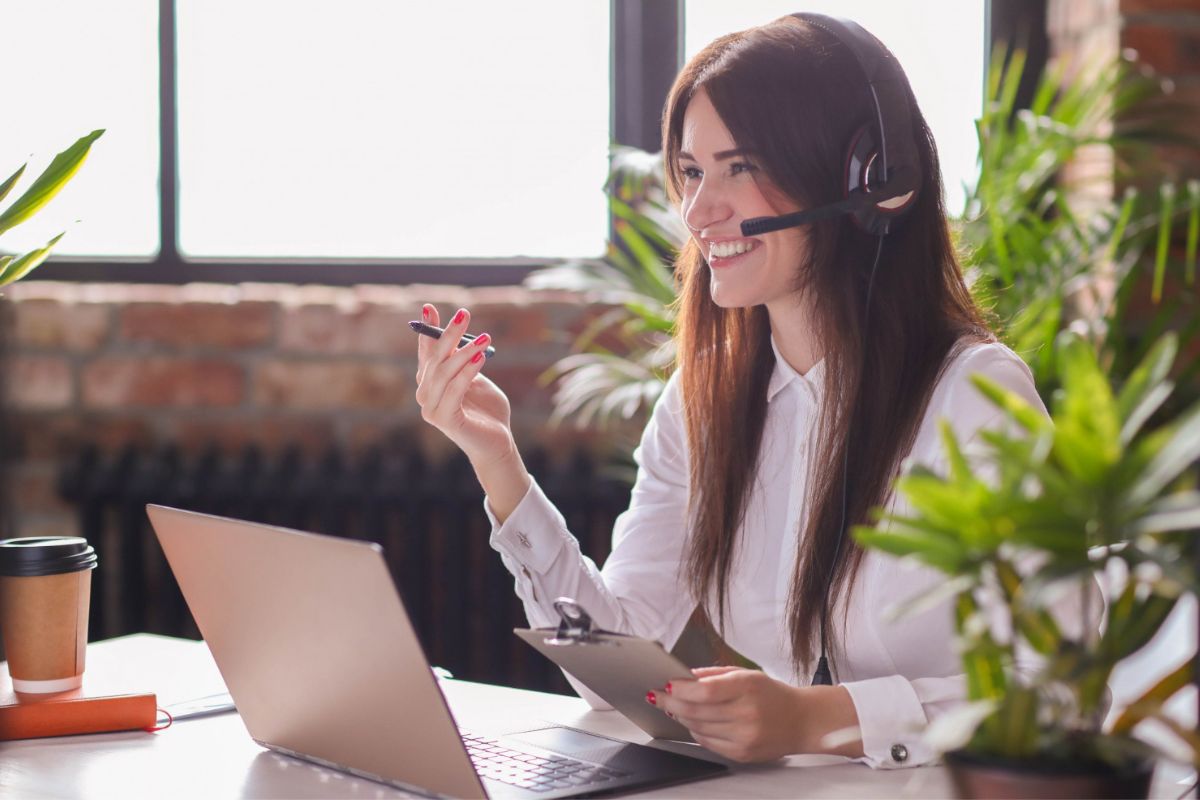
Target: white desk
[(214, 757)]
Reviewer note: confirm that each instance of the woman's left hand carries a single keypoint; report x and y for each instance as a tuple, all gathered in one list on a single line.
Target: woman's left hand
[(746, 716)]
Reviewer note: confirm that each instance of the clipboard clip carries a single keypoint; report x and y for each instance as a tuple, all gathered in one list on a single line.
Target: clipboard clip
[(575, 625)]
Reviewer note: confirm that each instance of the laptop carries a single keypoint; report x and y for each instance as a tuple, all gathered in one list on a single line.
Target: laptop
[(321, 659)]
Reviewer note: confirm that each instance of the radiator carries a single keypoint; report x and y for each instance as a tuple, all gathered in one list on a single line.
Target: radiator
[(427, 516)]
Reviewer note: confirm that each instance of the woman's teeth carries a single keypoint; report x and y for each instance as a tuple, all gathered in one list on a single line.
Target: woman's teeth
[(727, 249)]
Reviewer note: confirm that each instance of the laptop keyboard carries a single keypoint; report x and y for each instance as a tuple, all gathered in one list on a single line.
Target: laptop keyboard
[(528, 771)]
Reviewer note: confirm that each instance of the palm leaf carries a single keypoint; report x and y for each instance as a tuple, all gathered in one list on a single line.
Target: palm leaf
[(18, 268), (49, 183)]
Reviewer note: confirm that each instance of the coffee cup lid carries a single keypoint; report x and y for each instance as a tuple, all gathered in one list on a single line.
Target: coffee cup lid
[(45, 555)]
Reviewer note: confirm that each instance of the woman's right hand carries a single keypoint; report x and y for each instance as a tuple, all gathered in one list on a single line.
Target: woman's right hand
[(455, 398)]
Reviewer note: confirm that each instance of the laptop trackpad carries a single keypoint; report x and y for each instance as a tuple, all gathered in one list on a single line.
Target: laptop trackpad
[(571, 743)]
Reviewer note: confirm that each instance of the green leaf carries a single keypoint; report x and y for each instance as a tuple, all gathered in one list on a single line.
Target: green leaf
[(1180, 451), (960, 470), (1087, 426), (7, 186), (1163, 247), (986, 679), (1144, 391), (1036, 625), (48, 184), (1152, 700), (1176, 512), (953, 728), (1025, 415), (931, 598), (903, 540), (1126, 636), (23, 265), (1016, 722), (1193, 230)]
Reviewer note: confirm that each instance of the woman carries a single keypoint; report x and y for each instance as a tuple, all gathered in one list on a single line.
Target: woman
[(812, 362)]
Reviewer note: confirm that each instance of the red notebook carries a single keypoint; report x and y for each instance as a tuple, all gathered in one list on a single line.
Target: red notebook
[(67, 713)]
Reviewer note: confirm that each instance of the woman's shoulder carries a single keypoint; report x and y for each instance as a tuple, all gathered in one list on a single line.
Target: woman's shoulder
[(993, 359), (959, 400)]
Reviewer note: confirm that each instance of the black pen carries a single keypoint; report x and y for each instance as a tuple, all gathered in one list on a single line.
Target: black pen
[(436, 333)]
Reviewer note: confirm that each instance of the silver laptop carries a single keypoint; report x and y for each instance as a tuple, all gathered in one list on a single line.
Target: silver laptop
[(319, 655)]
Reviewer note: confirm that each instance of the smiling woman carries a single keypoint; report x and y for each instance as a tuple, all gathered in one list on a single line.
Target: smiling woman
[(816, 356)]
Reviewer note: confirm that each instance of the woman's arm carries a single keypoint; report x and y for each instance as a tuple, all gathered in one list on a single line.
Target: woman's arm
[(471, 410), (640, 590)]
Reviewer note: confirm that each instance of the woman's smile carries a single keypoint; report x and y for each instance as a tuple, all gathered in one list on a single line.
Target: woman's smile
[(727, 252)]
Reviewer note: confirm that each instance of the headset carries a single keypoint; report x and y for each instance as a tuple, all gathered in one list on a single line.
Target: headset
[(882, 166), (882, 179)]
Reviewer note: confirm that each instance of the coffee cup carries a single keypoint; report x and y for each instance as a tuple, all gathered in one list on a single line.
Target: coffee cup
[(45, 595)]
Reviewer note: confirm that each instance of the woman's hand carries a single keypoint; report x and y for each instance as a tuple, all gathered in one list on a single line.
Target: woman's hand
[(747, 716), (471, 410)]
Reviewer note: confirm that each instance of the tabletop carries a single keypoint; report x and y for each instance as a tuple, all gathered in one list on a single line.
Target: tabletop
[(214, 756)]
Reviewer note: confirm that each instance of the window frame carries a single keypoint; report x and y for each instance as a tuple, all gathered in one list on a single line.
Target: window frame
[(646, 53)]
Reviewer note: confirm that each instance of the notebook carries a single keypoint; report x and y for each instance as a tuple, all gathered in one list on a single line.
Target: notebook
[(320, 656)]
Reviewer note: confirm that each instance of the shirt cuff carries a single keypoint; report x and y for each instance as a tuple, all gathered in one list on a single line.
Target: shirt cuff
[(892, 722), (534, 533)]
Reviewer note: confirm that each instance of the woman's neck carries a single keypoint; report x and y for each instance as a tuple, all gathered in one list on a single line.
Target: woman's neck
[(794, 333)]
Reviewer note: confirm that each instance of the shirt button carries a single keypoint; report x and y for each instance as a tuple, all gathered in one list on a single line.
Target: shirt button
[(523, 539), (899, 753)]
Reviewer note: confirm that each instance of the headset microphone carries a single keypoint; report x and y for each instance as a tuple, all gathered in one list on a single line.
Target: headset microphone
[(760, 225), (853, 204)]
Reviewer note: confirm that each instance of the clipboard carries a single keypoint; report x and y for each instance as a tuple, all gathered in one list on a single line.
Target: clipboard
[(619, 668)]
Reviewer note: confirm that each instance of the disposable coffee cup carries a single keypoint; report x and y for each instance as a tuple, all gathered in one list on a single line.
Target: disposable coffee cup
[(45, 594)]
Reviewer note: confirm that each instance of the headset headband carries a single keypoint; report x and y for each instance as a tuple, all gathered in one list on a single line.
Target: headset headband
[(900, 162)]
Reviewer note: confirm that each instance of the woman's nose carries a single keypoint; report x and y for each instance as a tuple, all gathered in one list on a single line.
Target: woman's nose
[(708, 207)]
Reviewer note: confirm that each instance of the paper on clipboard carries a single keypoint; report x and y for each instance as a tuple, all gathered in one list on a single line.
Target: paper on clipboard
[(620, 669)]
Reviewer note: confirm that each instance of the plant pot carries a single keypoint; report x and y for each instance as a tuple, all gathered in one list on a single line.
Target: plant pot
[(978, 776)]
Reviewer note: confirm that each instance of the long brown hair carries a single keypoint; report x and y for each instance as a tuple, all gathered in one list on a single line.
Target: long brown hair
[(793, 95)]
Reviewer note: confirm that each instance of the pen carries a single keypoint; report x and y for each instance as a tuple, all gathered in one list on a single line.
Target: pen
[(436, 333)]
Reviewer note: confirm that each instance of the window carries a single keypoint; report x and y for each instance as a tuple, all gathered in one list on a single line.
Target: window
[(381, 129), (944, 58), (458, 141), (64, 79)]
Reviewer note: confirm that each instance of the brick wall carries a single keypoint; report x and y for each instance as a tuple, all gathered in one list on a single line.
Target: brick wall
[(1162, 37), (268, 364), (1166, 36)]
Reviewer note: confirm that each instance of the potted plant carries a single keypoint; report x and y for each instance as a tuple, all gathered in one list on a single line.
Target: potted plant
[(1092, 491), (62, 168)]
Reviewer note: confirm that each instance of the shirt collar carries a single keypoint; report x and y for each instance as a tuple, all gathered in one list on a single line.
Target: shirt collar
[(783, 375)]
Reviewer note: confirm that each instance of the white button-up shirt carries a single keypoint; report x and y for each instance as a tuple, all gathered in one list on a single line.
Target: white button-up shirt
[(900, 673)]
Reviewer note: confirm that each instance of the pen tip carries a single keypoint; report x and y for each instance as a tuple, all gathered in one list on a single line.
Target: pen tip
[(416, 326)]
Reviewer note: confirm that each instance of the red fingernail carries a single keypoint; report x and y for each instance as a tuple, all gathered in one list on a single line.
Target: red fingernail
[(668, 687), (651, 699), (425, 312), (459, 317), (483, 339), (475, 359)]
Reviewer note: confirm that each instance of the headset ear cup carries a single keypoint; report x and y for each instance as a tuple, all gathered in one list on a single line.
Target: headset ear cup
[(864, 175)]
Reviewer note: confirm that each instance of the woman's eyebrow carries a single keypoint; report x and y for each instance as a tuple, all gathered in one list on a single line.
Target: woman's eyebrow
[(721, 155)]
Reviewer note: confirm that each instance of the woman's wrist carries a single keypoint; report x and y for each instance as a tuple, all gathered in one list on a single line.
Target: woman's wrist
[(825, 710), (505, 481)]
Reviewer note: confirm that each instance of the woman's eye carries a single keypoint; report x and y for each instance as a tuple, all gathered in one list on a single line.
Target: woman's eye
[(691, 173), (738, 167)]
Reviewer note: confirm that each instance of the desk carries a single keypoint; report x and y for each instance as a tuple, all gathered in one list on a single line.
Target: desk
[(214, 757)]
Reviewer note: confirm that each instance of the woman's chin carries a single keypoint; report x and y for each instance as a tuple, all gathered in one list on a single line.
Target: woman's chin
[(729, 296)]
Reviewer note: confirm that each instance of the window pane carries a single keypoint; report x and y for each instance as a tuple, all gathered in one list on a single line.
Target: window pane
[(72, 67), (368, 128), (943, 57)]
